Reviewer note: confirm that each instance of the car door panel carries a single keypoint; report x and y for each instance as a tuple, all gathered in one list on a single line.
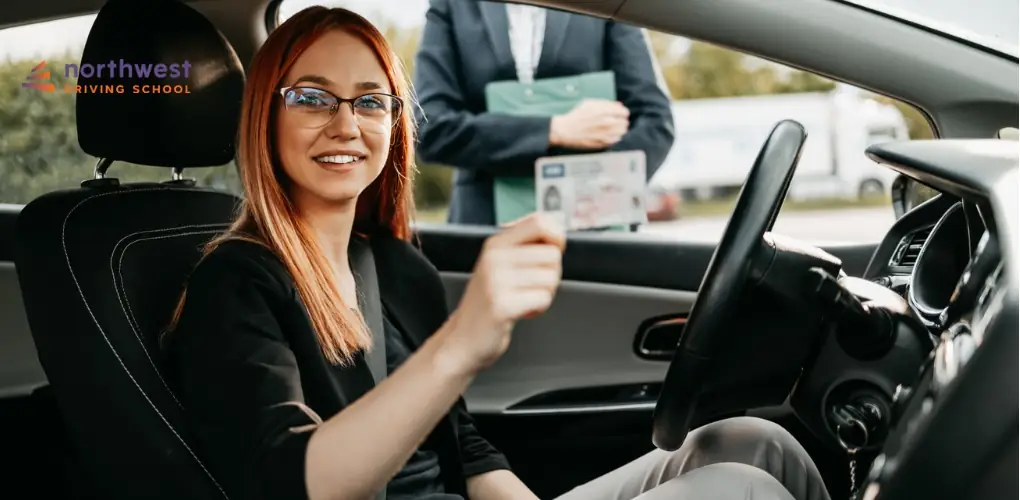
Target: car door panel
[(587, 342), (613, 286), (20, 371), (572, 398), (31, 427)]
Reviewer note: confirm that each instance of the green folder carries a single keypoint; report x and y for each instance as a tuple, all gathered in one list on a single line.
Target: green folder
[(515, 196)]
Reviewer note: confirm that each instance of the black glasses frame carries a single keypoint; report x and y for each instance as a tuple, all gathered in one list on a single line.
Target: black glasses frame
[(341, 100)]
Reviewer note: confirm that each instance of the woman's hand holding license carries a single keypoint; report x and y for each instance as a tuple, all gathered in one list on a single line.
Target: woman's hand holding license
[(515, 277)]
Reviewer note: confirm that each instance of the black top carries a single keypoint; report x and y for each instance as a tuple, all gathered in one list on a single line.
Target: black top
[(254, 383), (420, 477)]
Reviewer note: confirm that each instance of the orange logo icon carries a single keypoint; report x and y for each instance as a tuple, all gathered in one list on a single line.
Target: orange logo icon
[(38, 79)]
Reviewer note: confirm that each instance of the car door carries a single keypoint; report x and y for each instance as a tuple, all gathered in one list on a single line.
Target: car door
[(30, 425), (573, 396), (20, 372)]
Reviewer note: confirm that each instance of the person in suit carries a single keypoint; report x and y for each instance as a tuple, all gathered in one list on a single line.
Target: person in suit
[(467, 44), (313, 347)]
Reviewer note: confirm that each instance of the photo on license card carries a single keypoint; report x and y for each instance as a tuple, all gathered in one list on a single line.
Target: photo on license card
[(591, 191)]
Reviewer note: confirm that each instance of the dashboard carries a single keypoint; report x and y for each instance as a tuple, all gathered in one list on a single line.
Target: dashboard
[(953, 258)]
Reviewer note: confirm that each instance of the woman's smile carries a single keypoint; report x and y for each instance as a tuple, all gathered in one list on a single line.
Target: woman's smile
[(340, 162)]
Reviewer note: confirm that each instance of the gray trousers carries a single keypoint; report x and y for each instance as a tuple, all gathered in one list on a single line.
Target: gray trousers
[(742, 458)]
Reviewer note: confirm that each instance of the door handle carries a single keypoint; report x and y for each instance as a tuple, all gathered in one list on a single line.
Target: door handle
[(657, 339)]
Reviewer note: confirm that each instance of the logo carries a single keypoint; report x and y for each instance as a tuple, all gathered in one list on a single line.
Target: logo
[(553, 170), (116, 77), (38, 79)]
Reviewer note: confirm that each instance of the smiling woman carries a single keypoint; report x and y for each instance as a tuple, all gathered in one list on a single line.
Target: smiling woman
[(369, 112), (322, 177)]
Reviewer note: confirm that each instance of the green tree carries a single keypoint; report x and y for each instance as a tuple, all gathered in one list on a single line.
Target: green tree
[(432, 183), (802, 81), (404, 43), (917, 122), (709, 71)]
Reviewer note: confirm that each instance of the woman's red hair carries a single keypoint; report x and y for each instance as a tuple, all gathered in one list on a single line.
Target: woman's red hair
[(267, 215)]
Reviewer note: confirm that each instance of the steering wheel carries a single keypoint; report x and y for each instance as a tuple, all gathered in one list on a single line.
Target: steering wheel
[(706, 336)]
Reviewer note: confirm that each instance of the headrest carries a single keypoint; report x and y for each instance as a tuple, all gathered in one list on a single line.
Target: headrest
[(157, 85)]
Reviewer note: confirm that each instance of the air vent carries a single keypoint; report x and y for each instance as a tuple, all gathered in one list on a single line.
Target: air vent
[(910, 247)]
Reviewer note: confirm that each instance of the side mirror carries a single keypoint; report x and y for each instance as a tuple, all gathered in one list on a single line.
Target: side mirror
[(908, 193)]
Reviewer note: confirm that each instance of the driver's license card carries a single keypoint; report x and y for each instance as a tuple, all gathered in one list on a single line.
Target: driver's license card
[(588, 191)]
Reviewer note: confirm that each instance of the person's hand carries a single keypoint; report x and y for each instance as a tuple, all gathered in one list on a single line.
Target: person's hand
[(515, 277), (592, 124)]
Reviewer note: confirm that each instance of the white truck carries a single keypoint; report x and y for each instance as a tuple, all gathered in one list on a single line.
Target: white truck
[(718, 139)]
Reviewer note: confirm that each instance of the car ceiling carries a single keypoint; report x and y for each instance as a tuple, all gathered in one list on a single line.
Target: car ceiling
[(835, 39)]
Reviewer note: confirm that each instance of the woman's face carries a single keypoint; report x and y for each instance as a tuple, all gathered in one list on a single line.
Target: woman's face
[(332, 151)]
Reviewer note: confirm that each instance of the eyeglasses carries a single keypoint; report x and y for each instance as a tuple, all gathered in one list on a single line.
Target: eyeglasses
[(375, 112)]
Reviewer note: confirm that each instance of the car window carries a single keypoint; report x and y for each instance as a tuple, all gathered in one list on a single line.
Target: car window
[(724, 103), (39, 149)]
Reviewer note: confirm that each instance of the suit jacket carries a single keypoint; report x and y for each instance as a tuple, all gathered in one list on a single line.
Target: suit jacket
[(250, 373), (466, 45)]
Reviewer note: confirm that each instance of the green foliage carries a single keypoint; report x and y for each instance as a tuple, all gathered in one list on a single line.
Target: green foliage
[(38, 140), (404, 43), (706, 71), (432, 186), (917, 123)]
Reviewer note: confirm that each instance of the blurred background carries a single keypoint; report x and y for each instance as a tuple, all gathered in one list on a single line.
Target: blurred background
[(724, 104)]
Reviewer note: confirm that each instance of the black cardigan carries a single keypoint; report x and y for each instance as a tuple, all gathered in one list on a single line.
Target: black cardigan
[(254, 382)]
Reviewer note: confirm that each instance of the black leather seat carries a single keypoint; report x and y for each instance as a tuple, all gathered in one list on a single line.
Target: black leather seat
[(101, 265)]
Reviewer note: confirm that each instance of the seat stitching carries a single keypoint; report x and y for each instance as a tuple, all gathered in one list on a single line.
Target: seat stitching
[(67, 258), (125, 302)]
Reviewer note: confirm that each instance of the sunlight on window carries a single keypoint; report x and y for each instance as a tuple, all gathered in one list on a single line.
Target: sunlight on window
[(41, 40), (410, 14)]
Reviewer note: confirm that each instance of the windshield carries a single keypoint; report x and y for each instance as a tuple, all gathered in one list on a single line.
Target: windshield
[(989, 23)]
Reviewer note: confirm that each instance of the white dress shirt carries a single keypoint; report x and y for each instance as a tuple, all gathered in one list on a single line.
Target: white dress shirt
[(527, 32)]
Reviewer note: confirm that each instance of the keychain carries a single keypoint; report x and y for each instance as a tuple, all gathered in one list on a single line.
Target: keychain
[(853, 473), (851, 451)]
